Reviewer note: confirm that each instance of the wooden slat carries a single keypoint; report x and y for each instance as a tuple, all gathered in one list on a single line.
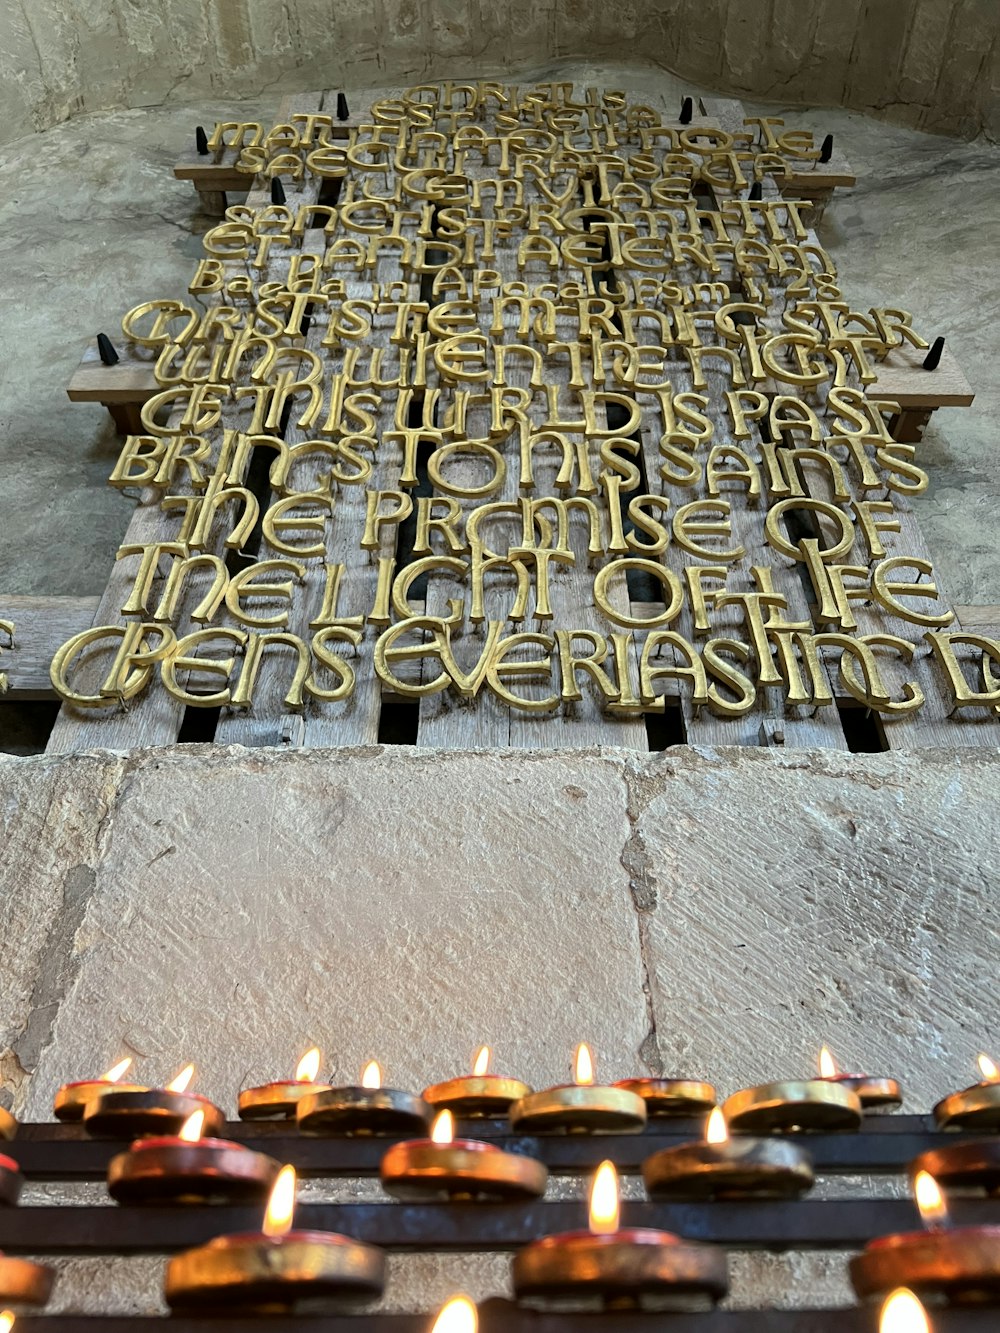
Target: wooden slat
[(903, 380), (41, 624)]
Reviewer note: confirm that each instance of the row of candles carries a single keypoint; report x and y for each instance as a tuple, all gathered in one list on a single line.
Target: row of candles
[(831, 1101), (279, 1267)]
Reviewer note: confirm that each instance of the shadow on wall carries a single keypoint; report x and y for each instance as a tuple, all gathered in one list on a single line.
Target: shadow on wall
[(931, 64)]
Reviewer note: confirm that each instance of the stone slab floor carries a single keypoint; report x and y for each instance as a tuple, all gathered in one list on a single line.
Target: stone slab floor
[(92, 222)]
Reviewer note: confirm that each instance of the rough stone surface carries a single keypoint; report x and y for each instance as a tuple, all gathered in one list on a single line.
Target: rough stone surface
[(797, 901), (927, 63), (707, 912)]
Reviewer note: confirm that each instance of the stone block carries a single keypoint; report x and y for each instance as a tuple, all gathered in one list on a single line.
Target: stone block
[(390, 904), (796, 899)]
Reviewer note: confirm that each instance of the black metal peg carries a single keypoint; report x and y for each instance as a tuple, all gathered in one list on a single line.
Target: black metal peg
[(277, 191), (342, 111), (106, 348), (201, 140), (756, 191), (687, 111), (826, 152), (933, 358)]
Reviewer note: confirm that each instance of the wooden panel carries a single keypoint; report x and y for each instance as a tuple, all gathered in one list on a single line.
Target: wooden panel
[(903, 380), (41, 624)]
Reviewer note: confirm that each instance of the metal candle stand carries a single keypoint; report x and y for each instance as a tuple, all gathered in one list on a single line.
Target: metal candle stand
[(884, 1145)]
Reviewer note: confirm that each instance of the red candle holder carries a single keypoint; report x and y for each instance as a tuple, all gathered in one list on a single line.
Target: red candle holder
[(171, 1170)]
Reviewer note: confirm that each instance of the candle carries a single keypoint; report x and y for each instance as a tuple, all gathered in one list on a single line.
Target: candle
[(721, 1167), (484, 1094), (134, 1113), (23, 1282), (459, 1315), (8, 1125), (874, 1094), (443, 1166), (580, 1106), (958, 1265), (11, 1181), (903, 1313), (278, 1101), (72, 1098), (275, 1270), (368, 1109), (671, 1097), (977, 1107), (803, 1104), (973, 1167), (186, 1168), (608, 1265)]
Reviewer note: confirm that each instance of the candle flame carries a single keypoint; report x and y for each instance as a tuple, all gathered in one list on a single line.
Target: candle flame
[(443, 1129), (193, 1127), (458, 1316), (715, 1130), (930, 1200), (604, 1205), (827, 1064), (281, 1205), (6, 1321), (988, 1069), (112, 1076), (182, 1081), (482, 1065), (584, 1065), (308, 1066), (903, 1313), (372, 1076)]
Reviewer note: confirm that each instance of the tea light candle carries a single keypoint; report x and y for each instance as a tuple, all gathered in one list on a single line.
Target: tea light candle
[(8, 1125), (973, 1167), (671, 1097), (23, 1282), (954, 1264), (121, 1113), (804, 1104), (607, 1265), (459, 1168), (977, 1107), (484, 1094), (185, 1168), (721, 1167), (874, 1094), (72, 1098), (11, 1181), (580, 1107), (368, 1110), (276, 1270), (278, 1101)]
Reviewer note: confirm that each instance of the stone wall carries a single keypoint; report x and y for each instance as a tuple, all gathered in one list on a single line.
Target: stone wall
[(712, 913), (933, 64)]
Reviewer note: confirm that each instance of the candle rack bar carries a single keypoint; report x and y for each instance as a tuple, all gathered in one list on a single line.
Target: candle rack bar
[(883, 1146), (828, 1224), (497, 1316)]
